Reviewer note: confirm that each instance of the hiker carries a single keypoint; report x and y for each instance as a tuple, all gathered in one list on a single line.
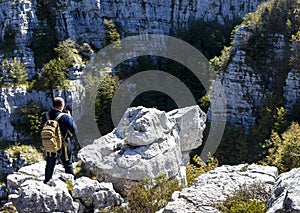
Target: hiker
[(67, 128)]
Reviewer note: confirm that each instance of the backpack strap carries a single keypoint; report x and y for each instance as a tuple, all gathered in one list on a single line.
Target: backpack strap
[(47, 116), (64, 138), (59, 116)]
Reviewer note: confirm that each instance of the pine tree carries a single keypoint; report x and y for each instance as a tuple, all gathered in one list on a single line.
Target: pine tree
[(13, 72), (53, 74)]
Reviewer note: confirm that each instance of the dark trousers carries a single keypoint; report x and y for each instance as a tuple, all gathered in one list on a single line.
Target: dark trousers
[(51, 160)]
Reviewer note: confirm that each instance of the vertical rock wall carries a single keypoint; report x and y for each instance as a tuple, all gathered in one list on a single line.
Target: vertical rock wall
[(13, 98)]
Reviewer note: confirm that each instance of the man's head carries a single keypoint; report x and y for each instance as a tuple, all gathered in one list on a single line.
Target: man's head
[(58, 103)]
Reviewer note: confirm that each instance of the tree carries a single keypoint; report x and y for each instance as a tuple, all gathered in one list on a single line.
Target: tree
[(106, 91), (295, 56), (18, 72), (233, 148), (208, 37), (284, 149), (14, 72), (53, 75), (42, 44), (27, 119), (112, 34), (68, 52), (271, 119)]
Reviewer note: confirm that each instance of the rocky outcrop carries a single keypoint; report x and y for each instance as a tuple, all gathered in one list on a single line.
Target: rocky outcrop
[(213, 187), (10, 162), (146, 143), (247, 83), (62, 193), (285, 196), (93, 193)]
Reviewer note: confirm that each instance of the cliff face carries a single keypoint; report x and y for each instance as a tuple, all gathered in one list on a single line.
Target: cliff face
[(84, 20), (22, 34), (259, 72), (17, 21), (246, 85), (13, 98)]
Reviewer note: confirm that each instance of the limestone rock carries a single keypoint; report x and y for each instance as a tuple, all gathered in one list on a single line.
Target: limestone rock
[(93, 193), (141, 126), (33, 172), (35, 196), (292, 88), (29, 194), (62, 193), (84, 20), (247, 85), (146, 143), (190, 123), (13, 98), (139, 16), (285, 196), (213, 187)]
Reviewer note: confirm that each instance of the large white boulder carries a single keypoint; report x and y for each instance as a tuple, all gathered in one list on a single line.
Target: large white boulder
[(146, 143)]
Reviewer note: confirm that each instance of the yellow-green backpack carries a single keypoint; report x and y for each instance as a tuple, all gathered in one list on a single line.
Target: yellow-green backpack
[(52, 139)]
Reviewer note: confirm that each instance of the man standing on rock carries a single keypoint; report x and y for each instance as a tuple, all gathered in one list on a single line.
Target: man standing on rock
[(67, 129)]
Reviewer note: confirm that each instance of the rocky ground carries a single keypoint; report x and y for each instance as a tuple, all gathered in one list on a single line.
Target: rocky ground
[(146, 143)]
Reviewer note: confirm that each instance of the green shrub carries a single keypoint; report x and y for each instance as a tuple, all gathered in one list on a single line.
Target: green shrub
[(112, 34), (246, 199), (295, 56), (26, 119), (198, 167), (284, 149), (27, 152), (15, 71), (150, 196), (67, 51), (106, 90), (219, 63), (53, 76)]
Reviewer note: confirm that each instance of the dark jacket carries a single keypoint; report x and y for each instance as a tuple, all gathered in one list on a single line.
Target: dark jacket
[(66, 122)]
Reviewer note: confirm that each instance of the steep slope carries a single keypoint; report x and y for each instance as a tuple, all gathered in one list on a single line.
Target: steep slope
[(257, 71)]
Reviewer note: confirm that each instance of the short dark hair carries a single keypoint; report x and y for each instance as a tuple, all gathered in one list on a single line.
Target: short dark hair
[(58, 102)]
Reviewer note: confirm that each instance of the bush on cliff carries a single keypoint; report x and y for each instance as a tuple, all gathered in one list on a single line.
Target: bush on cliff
[(250, 198), (26, 119), (284, 149)]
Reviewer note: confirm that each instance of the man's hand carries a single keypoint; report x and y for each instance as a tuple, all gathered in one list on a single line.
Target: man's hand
[(68, 112)]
